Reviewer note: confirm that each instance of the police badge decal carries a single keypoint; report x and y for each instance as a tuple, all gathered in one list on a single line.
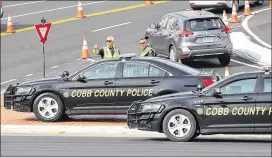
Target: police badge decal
[(66, 94)]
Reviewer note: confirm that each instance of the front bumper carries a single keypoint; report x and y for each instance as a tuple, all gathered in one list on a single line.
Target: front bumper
[(147, 121), (20, 103)]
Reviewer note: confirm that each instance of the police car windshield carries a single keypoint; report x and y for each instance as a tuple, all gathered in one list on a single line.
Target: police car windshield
[(184, 68)]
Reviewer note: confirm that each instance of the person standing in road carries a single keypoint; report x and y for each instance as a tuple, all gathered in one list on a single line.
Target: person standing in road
[(146, 50), (108, 52)]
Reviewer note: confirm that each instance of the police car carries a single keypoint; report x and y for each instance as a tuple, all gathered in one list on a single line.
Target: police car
[(238, 104), (105, 87)]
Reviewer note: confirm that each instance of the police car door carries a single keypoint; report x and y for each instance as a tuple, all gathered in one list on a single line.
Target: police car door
[(233, 110), (263, 121), (97, 93), (139, 81)]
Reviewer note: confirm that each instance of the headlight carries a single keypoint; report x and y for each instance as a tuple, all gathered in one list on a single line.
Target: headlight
[(150, 107), (23, 90)]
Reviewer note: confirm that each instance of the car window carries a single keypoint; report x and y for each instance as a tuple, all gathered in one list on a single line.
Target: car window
[(172, 24), (241, 86), (204, 24), (135, 69), (267, 85), (101, 71), (156, 72), (186, 69), (163, 22)]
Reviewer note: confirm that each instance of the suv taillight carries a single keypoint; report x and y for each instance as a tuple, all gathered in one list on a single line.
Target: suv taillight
[(207, 81), (185, 33), (226, 30)]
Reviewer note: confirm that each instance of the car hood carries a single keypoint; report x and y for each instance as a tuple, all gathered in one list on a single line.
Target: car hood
[(172, 96), (42, 80)]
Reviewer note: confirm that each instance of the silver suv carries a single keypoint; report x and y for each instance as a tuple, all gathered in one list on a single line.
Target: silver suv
[(1, 9), (191, 35)]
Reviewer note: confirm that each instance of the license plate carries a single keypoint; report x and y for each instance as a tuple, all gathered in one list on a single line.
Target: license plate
[(208, 39)]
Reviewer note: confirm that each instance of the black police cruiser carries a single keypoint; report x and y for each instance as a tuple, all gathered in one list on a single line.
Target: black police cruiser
[(105, 87), (238, 104)]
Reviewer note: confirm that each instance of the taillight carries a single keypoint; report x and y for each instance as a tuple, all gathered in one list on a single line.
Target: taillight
[(226, 30), (185, 33), (207, 81)]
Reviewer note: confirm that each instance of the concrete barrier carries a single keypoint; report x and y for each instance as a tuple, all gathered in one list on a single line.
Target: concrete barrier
[(244, 48)]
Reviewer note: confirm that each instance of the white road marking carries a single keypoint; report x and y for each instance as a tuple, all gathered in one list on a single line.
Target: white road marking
[(29, 75), (53, 67), (111, 26), (21, 4), (8, 81), (245, 26), (51, 10), (91, 60), (239, 62)]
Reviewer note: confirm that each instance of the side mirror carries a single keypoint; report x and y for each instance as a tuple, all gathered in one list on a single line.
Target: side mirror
[(82, 78), (217, 93), (153, 26), (65, 75)]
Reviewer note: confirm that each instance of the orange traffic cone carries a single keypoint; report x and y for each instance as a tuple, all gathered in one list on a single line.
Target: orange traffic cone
[(247, 10), (148, 2), (10, 28), (227, 71), (270, 4), (225, 19), (85, 51), (234, 15), (80, 13)]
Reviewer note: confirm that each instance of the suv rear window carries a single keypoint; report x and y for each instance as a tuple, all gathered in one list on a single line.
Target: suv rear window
[(204, 24)]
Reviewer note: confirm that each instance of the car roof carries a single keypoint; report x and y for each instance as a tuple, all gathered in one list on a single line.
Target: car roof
[(193, 14)]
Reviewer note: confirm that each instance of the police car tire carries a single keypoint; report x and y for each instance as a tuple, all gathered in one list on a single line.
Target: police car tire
[(60, 112), (192, 131)]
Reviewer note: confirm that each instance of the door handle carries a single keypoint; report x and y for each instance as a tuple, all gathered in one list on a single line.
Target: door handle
[(107, 82), (154, 81), (246, 98)]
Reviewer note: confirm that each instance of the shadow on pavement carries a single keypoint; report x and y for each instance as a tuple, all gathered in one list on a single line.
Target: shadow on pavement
[(88, 118), (16, 26), (218, 140)]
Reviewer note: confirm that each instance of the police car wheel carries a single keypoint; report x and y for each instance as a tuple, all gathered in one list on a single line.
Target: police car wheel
[(172, 54), (179, 125), (48, 107)]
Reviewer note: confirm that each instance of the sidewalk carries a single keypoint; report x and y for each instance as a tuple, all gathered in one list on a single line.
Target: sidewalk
[(260, 25)]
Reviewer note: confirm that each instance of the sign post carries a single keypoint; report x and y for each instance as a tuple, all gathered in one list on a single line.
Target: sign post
[(43, 30)]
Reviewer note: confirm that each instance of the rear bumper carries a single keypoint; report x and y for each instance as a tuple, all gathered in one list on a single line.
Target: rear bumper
[(200, 6), (146, 121), (20, 103), (205, 53)]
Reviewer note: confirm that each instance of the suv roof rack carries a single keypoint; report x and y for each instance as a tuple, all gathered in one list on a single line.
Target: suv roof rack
[(127, 56)]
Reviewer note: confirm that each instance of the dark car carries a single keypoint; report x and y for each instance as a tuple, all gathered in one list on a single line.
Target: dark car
[(105, 87), (238, 104), (191, 35)]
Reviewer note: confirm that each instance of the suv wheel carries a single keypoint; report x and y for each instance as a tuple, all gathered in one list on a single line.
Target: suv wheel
[(179, 125), (173, 54), (259, 2), (48, 107), (224, 60)]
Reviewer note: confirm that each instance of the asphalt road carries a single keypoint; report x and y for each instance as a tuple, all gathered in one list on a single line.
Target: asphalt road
[(130, 146), (21, 53), (260, 25)]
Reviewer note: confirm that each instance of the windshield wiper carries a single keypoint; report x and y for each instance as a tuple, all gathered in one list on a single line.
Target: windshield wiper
[(214, 28)]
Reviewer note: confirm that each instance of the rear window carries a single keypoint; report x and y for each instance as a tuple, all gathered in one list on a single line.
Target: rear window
[(204, 24), (186, 69)]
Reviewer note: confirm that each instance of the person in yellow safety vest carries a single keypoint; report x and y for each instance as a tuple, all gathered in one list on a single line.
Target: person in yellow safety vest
[(108, 52), (146, 50)]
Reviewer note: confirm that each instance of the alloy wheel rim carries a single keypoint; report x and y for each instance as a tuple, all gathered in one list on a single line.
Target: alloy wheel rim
[(48, 107), (179, 125)]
